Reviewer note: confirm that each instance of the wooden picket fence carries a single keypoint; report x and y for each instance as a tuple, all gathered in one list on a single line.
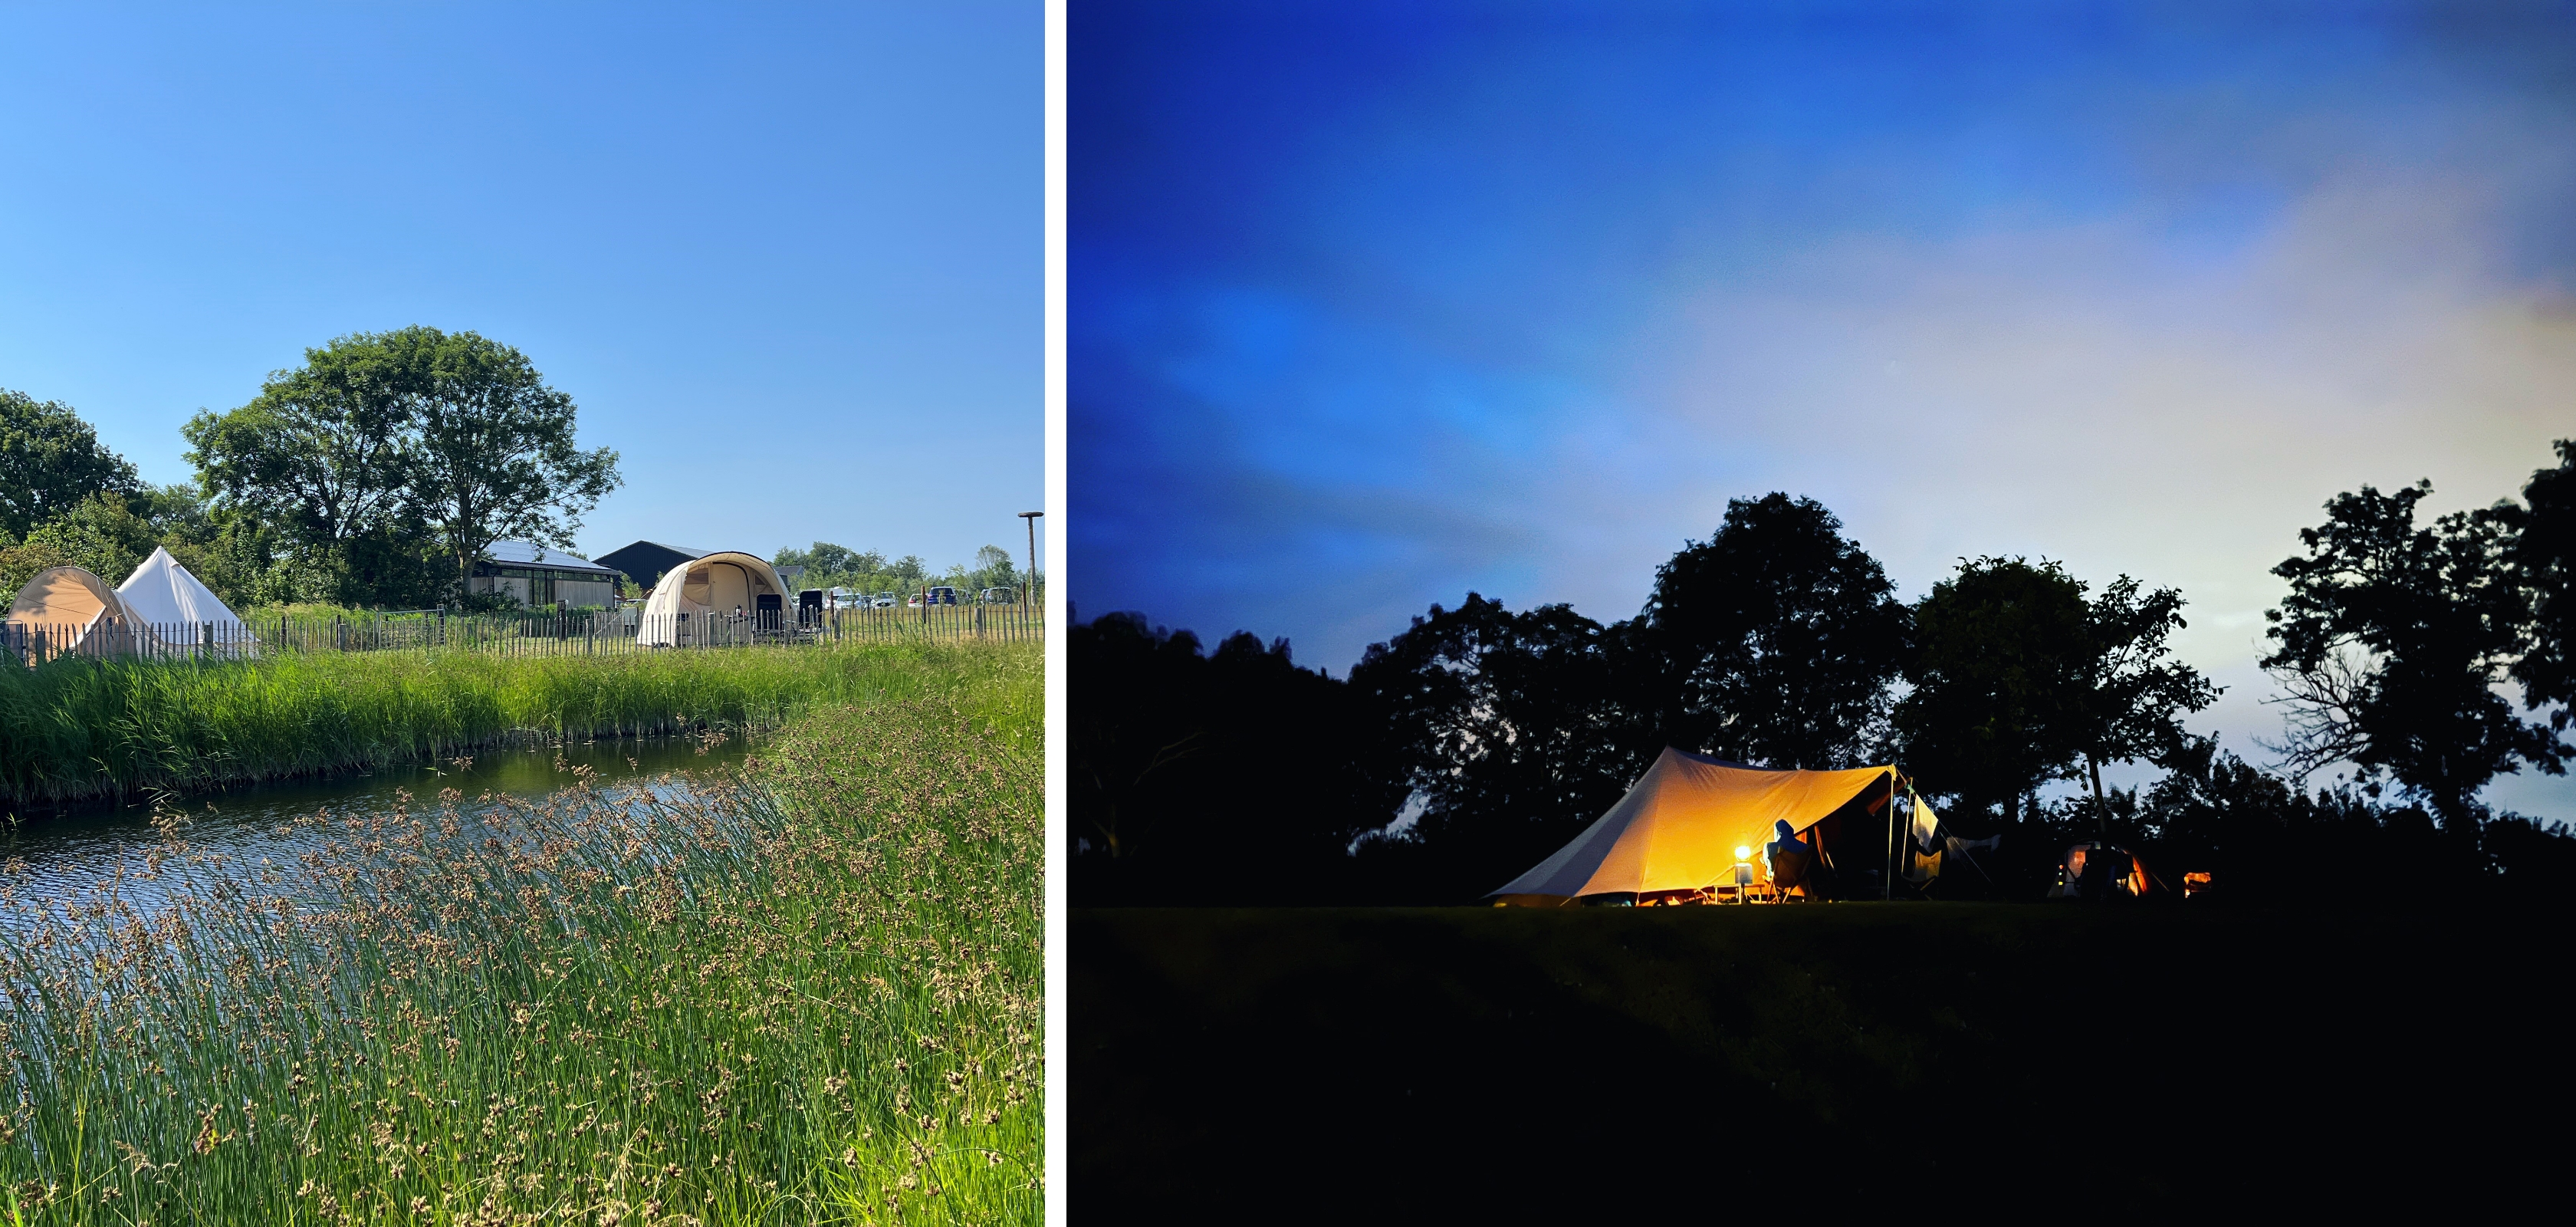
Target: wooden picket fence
[(577, 633)]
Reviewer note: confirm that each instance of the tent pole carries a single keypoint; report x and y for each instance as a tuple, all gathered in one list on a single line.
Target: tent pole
[(1887, 884)]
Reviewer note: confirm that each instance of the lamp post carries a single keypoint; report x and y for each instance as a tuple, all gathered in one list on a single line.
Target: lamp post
[(1029, 589)]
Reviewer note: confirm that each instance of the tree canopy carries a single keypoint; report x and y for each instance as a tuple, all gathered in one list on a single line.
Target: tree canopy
[(1507, 731), (1777, 639), (2390, 645), (2543, 557), (2000, 674), (390, 462), (494, 454), (50, 460)]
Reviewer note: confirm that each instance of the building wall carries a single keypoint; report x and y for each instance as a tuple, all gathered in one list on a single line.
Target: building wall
[(574, 593)]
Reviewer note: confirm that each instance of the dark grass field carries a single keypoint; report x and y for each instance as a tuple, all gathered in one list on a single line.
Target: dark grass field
[(1843, 1060)]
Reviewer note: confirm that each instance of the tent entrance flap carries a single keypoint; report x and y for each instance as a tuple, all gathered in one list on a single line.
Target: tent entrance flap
[(1680, 825)]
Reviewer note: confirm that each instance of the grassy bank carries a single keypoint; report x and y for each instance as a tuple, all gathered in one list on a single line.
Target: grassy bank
[(1836, 1061), (76, 729), (805, 993)]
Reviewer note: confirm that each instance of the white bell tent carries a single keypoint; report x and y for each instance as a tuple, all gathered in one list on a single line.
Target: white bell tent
[(176, 605)]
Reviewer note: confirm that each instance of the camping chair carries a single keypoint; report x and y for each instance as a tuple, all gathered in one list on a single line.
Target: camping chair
[(1790, 866)]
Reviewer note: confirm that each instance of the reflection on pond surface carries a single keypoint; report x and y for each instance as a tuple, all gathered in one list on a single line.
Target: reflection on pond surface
[(68, 852)]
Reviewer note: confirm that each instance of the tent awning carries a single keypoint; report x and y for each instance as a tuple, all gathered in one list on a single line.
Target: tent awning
[(1681, 822)]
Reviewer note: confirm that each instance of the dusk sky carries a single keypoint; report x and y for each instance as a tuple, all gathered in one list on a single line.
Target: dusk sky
[(1377, 307), (788, 259)]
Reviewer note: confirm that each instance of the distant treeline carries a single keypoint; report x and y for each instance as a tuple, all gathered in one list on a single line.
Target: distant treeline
[(838, 566), (1464, 749), (375, 475)]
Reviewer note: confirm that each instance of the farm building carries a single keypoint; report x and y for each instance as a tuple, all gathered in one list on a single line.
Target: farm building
[(646, 562), (537, 576)]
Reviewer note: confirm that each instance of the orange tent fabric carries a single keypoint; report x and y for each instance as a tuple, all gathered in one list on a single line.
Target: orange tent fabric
[(1680, 824)]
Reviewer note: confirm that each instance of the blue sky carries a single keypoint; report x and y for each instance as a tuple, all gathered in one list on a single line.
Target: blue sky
[(787, 259), (1373, 305)]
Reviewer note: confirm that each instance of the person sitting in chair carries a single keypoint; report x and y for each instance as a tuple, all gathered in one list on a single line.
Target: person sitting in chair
[(1789, 856)]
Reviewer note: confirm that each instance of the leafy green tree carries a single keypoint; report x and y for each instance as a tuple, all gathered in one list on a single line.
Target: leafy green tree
[(494, 453), (50, 460), (993, 569), (2391, 643), (392, 461), (1776, 639), (2003, 656), (323, 452)]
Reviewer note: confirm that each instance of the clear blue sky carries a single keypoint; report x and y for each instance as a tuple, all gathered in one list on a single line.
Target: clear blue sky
[(787, 259), (1373, 305)]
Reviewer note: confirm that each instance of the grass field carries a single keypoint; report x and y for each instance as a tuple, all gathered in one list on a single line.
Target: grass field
[(806, 993), (76, 729), (1835, 1061)]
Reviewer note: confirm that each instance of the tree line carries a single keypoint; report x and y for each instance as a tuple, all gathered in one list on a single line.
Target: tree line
[(838, 566), (374, 475), (1470, 745)]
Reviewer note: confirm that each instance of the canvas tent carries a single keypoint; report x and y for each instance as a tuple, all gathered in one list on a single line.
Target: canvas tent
[(692, 597), (162, 594), (2100, 871), (72, 610), (1680, 825)]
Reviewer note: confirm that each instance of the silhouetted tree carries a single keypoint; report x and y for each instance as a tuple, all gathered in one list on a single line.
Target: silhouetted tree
[(2001, 672), (1776, 639), (1235, 777), (2137, 693), (2389, 647), (1506, 732), (2543, 557)]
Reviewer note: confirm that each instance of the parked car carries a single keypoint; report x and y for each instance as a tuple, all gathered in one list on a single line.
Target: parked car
[(998, 596), (885, 600), (943, 596)]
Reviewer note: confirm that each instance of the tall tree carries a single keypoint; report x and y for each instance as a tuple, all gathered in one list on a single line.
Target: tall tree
[(2389, 647), (323, 452), (2544, 562), (49, 461), (1202, 778), (2137, 693), (1509, 731), (1777, 639), (2001, 676), (495, 455)]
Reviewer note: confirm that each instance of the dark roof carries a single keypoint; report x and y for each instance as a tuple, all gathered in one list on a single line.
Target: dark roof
[(531, 554), (646, 561)]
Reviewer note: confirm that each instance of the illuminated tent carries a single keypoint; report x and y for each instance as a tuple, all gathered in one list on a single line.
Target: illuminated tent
[(2100, 871), (1680, 825), (78, 611), (690, 595), (161, 593)]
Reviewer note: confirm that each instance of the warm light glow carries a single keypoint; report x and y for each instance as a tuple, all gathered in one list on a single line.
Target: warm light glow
[(1743, 853)]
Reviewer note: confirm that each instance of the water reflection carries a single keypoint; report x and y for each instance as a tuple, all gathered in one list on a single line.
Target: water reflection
[(241, 830)]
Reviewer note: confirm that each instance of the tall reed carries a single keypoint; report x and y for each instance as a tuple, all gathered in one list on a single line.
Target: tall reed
[(807, 992), (77, 728)]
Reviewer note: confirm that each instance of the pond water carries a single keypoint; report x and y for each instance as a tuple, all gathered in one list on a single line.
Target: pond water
[(64, 853)]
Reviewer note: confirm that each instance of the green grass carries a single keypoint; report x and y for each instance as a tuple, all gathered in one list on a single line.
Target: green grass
[(75, 729), (806, 992)]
